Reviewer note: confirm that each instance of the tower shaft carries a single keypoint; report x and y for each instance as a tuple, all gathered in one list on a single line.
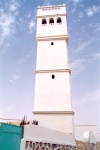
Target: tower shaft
[(52, 103)]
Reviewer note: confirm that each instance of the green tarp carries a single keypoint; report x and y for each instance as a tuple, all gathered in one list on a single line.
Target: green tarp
[(10, 137)]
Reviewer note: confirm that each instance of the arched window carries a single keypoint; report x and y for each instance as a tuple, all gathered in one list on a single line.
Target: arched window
[(44, 21), (59, 20), (51, 21)]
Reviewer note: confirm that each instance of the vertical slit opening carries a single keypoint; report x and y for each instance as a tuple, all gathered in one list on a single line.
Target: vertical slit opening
[(53, 76)]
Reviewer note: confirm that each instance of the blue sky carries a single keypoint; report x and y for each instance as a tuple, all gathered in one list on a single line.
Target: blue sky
[(18, 56)]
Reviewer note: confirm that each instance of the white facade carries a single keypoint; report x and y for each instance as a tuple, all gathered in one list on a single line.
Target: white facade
[(52, 103)]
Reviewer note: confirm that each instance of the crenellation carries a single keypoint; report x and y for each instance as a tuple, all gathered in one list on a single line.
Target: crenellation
[(51, 10), (63, 5)]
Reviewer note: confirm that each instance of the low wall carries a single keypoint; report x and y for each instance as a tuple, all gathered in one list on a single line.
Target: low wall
[(98, 146), (40, 138), (46, 135), (80, 145)]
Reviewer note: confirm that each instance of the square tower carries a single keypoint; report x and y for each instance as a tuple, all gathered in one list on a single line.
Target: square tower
[(52, 103)]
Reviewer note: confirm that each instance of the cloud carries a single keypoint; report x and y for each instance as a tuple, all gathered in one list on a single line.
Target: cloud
[(14, 78), (5, 49), (31, 25), (83, 46), (19, 66), (73, 10), (77, 66), (8, 20), (31, 20), (88, 108), (80, 14), (90, 97), (24, 59), (77, 1), (92, 10), (6, 26), (46, 3), (94, 57), (13, 6), (29, 14), (97, 27)]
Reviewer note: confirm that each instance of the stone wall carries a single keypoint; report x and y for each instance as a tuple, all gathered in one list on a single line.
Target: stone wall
[(98, 146), (86, 145)]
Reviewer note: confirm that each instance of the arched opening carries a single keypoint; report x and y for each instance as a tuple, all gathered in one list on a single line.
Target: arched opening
[(59, 20), (44, 21), (51, 21)]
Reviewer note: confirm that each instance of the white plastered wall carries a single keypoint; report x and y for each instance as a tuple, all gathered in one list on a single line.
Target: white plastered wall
[(58, 122), (52, 56), (52, 94), (51, 29)]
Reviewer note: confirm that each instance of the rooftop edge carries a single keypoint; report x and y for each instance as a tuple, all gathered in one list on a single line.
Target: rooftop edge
[(50, 6)]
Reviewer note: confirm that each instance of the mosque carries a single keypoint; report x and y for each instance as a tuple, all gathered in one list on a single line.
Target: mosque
[(52, 110), (53, 126), (52, 101)]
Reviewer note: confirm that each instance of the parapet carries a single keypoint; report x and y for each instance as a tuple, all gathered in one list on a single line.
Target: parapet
[(51, 10)]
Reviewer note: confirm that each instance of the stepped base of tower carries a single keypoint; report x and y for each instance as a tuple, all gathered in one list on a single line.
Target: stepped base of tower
[(59, 121)]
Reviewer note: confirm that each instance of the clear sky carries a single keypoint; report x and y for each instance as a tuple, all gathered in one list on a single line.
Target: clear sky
[(18, 56)]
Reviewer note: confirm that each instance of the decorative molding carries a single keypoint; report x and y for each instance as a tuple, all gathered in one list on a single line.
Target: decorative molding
[(53, 15), (46, 38), (54, 70), (53, 112)]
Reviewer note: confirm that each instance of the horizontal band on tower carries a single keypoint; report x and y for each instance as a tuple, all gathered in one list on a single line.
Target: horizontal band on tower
[(53, 112), (53, 70), (53, 15), (56, 37)]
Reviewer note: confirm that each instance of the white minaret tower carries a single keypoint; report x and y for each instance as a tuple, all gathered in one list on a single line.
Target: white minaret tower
[(52, 103)]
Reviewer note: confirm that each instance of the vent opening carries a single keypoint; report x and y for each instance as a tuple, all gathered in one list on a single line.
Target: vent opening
[(53, 76), (52, 43)]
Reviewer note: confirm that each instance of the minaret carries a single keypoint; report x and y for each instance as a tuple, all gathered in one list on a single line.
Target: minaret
[(52, 103)]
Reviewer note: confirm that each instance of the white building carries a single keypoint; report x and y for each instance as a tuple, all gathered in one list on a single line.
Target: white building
[(52, 103)]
